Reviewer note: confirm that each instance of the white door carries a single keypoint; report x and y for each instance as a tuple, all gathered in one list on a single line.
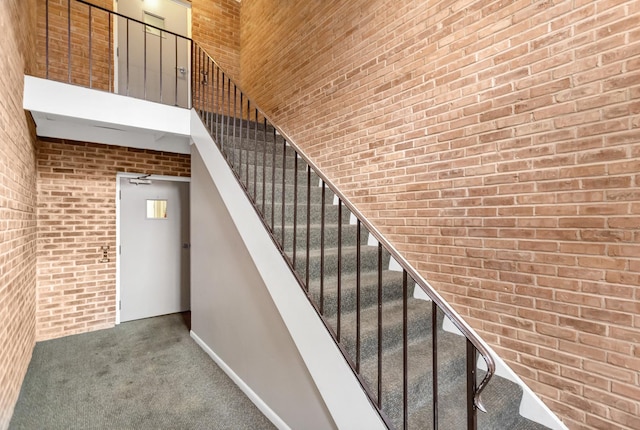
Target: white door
[(143, 52), (154, 253)]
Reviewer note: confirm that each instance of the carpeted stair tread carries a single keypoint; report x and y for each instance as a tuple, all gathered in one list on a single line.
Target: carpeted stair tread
[(501, 398), (217, 121), (331, 212), (451, 368), (259, 158), (232, 154), (252, 135), (368, 260), (348, 236), (289, 193), (391, 290), (418, 311), (252, 142), (278, 172)]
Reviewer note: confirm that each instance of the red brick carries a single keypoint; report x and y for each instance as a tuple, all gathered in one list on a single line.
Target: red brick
[(627, 391), (582, 402), (216, 27), (586, 378), (556, 331), (18, 205), (632, 421), (610, 371), (563, 384), (605, 343)]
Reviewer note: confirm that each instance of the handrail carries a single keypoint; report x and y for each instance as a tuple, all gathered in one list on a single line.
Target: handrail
[(478, 343)]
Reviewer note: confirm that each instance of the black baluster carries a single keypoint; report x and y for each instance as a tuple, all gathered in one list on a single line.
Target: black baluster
[(379, 325), (358, 256), (405, 353), (471, 386)]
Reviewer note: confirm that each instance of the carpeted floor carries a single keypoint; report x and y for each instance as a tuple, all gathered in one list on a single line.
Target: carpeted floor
[(146, 374)]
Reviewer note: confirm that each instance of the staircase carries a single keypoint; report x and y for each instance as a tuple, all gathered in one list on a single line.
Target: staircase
[(368, 306), (385, 318)]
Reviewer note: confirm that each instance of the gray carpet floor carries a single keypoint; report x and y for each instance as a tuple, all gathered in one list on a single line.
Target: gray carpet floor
[(146, 374)]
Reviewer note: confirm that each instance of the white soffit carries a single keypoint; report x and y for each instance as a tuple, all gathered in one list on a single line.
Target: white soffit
[(70, 112)]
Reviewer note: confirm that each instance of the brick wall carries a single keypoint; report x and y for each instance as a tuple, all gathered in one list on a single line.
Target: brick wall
[(216, 27), (17, 203), (76, 216), (497, 145)]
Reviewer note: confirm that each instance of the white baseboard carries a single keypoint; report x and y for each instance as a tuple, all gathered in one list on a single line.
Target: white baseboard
[(264, 408)]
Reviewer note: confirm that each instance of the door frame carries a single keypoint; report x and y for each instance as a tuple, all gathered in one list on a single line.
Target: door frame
[(114, 55), (129, 175)]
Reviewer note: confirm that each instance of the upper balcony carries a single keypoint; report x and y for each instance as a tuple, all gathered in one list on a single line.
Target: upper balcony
[(107, 78)]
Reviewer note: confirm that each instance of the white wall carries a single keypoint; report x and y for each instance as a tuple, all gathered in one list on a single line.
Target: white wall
[(67, 111), (233, 314)]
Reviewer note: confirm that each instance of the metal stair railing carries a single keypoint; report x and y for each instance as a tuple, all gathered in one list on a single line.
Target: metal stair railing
[(261, 156)]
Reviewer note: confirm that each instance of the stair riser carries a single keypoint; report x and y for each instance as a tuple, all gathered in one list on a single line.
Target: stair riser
[(331, 213), (289, 194), (259, 144), (235, 132), (392, 332), (391, 290), (368, 262), (217, 115), (348, 238), (250, 136), (269, 173), (257, 157), (451, 386), (260, 147), (241, 156)]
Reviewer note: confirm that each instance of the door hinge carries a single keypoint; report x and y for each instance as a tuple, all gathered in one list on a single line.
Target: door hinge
[(120, 305), (117, 51), (120, 250), (120, 194)]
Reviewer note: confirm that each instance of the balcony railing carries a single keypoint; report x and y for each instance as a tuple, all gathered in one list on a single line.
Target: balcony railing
[(94, 47)]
